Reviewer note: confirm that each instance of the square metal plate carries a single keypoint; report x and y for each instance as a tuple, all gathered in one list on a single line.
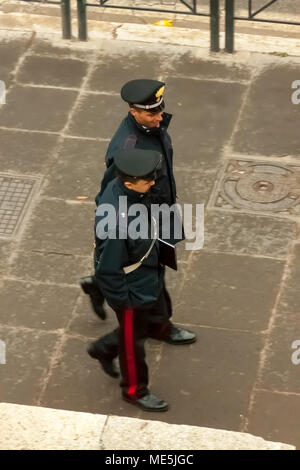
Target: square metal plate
[(15, 196)]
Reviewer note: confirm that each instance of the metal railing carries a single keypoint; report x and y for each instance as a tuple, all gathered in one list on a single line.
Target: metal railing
[(214, 15), (252, 16), (192, 10), (65, 6)]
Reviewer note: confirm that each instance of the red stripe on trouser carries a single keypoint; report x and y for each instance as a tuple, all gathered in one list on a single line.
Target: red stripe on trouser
[(129, 351)]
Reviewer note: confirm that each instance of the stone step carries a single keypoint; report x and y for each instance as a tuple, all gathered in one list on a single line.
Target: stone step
[(37, 428)]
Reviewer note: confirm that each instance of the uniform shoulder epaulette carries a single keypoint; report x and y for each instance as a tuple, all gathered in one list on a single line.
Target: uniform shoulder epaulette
[(130, 142)]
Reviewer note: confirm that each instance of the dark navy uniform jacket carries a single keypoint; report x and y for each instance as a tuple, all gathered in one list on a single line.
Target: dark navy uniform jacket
[(139, 289), (131, 134)]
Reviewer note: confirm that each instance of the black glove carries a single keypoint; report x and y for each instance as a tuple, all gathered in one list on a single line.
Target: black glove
[(90, 287)]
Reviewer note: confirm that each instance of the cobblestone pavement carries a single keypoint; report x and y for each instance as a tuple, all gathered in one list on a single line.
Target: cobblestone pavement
[(236, 140)]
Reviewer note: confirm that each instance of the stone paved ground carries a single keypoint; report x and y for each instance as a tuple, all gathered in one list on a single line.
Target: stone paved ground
[(240, 293)]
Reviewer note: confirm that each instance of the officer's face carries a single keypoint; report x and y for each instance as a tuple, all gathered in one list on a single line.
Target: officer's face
[(147, 119), (140, 186)]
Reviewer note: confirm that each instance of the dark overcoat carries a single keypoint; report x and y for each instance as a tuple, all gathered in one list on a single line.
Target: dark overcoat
[(131, 134), (141, 288)]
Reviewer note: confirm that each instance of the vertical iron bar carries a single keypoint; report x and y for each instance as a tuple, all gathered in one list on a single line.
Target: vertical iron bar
[(250, 8), (66, 19), (195, 7), (229, 26), (214, 26), (82, 25)]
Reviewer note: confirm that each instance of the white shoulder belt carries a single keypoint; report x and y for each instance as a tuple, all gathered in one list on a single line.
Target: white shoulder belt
[(133, 267)]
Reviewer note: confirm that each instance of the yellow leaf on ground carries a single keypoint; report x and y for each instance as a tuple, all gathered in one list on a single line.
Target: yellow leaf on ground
[(164, 23)]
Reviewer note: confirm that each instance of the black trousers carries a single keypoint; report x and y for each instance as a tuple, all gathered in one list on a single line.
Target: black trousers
[(128, 341)]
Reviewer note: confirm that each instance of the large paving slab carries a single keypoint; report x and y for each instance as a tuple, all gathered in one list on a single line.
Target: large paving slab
[(163, 60), (206, 112), (290, 296), (27, 357), (77, 170), (52, 71), (50, 267), (202, 160), (60, 227), (262, 129), (36, 305), (98, 116), (211, 379), (50, 47), (78, 382), (10, 52), (248, 234), (26, 152), (276, 416), (279, 372), (86, 323), (117, 65), (186, 64), (229, 291), (49, 108), (194, 187)]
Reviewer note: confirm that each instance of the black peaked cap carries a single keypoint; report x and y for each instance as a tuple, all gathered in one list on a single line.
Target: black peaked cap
[(137, 162), (141, 91)]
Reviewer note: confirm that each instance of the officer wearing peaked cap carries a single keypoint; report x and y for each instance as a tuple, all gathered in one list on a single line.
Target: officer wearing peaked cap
[(145, 127), (137, 163), (131, 277), (144, 94)]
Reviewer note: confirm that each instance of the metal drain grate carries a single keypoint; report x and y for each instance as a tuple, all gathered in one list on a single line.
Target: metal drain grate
[(258, 186), (15, 195)]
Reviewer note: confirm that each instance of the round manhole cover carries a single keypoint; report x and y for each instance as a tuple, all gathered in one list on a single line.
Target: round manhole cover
[(260, 186), (263, 188)]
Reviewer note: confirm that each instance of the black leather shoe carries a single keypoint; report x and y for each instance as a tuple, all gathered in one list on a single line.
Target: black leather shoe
[(90, 288), (180, 336), (149, 402), (109, 366)]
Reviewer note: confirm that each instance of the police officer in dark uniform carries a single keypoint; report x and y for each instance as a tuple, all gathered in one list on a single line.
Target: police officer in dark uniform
[(145, 127), (131, 277)]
